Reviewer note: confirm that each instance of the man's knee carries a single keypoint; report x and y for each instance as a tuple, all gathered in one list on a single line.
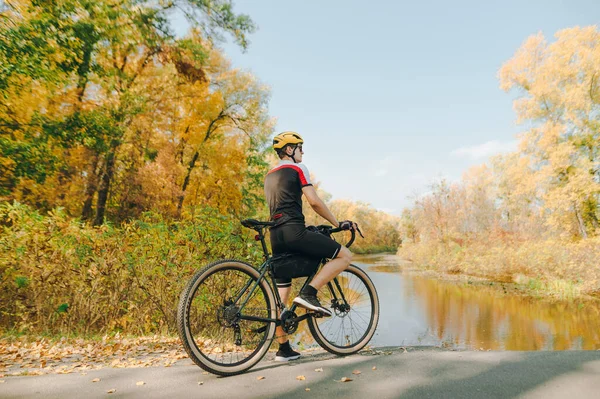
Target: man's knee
[(346, 255)]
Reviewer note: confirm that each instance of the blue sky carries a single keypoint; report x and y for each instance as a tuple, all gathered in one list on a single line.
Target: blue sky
[(393, 95)]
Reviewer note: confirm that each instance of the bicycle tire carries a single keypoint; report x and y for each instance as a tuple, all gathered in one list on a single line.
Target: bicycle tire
[(321, 328), (193, 321)]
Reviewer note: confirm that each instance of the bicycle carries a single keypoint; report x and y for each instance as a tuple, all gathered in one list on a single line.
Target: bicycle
[(228, 312)]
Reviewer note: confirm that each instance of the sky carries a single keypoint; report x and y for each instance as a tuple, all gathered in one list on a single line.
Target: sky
[(391, 96)]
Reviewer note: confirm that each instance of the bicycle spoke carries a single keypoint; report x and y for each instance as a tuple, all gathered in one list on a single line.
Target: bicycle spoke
[(217, 332), (352, 314)]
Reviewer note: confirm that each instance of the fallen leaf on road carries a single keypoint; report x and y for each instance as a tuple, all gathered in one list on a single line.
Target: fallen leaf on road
[(345, 379), (36, 357), (96, 380), (260, 377), (356, 372), (111, 391), (140, 383), (169, 363), (319, 370), (374, 368), (307, 389), (1, 381), (200, 382), (301, 378)]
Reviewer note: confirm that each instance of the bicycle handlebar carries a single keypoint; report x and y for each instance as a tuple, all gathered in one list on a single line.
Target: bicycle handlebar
[(323, 228), (331, 230)]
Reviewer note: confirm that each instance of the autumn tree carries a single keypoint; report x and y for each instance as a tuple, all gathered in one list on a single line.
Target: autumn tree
[(560, 97), (230, 107), (74, 88), (516, 196)]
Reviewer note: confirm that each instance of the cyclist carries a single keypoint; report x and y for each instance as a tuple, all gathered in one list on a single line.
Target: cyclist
[(284, 186)]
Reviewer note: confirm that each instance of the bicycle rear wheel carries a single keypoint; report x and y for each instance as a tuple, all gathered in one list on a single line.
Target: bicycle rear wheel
[(209, 323), (355, 307)]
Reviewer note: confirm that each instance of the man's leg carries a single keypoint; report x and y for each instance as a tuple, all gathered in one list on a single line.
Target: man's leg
[(332, 269), (308, 296), (285, 352), (284, 293)]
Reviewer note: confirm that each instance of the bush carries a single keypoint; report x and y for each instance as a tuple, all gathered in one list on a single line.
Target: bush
[(62, 276)]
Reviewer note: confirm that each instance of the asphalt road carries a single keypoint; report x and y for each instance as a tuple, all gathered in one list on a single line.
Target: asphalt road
[(418, 373)]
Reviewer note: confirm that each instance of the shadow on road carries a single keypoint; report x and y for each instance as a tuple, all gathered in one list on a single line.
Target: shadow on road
[(473, 374)]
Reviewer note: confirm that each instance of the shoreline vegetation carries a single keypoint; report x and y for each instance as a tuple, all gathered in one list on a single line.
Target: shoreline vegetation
[(545, 287)]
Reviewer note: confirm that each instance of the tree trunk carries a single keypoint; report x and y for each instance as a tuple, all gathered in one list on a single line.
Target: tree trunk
[(186, 182), (580, 222), (105, 185), (90, 190), (212, 127)]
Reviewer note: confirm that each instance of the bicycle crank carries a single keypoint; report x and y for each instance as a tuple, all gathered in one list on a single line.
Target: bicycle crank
[(289, 321)]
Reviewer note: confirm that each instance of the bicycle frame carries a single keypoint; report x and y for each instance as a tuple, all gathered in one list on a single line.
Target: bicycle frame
[(266, 268)]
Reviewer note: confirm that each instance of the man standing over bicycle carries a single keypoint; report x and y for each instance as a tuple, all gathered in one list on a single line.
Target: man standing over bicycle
[(284, 186)]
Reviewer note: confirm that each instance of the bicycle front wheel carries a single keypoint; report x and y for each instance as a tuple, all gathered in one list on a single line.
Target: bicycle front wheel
[(210, 317), (353, 300)]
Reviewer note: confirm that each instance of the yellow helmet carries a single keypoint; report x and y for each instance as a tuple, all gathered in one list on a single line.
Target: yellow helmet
[(285, 138)]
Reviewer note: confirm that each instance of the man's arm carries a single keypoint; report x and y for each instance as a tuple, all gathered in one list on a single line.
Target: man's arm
[(318, 205)]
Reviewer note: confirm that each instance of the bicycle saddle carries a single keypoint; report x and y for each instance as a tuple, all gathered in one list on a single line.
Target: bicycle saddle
[(254, 224)]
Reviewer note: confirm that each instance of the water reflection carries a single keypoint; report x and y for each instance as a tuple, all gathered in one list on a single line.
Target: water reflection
[(474, 316), (483, 317), (416, 310)]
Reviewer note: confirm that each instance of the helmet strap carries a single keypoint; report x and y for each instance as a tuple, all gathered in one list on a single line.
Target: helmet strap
[(293, 154)]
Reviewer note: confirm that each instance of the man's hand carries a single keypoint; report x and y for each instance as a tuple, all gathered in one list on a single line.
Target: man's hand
[(350, 225)]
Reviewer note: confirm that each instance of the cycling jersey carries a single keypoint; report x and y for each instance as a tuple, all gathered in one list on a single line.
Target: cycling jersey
[(283, 191)]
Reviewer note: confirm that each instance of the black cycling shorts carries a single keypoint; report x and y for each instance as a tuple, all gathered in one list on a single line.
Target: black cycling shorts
[(296, 239)]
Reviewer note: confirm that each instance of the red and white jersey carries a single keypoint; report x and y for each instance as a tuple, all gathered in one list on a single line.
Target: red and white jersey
[(283, 191)]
